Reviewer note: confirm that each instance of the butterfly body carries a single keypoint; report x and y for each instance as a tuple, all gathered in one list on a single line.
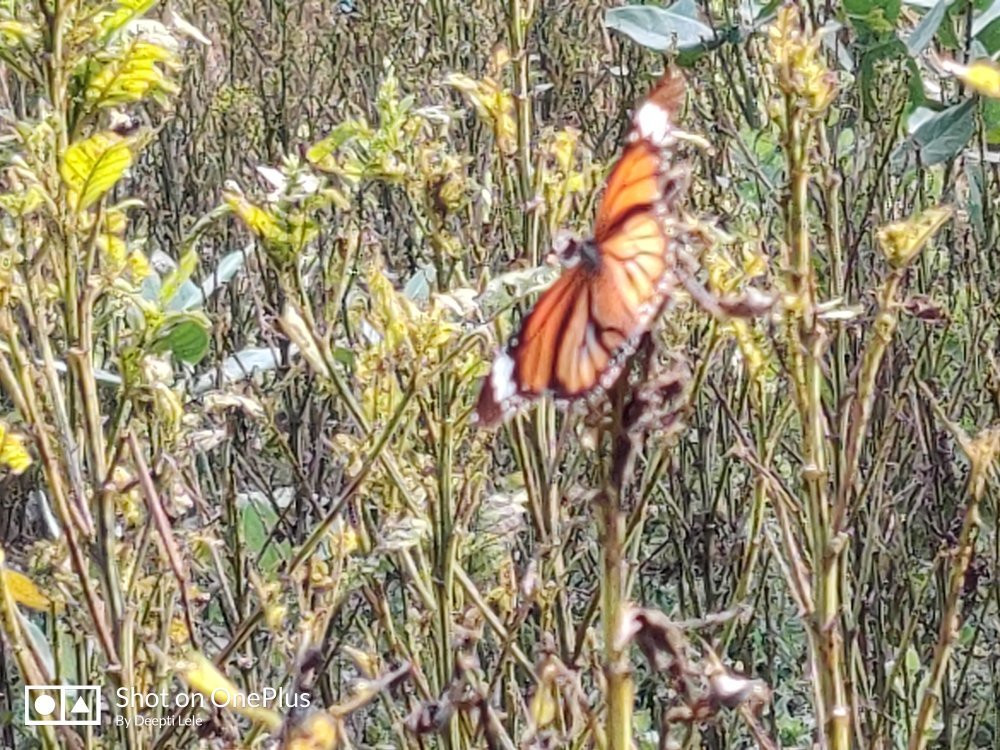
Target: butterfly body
[(582, 329)]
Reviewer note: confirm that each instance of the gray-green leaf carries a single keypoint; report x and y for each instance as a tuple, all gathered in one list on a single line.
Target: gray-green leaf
[(676, 27), (943, 135), (922, 35)]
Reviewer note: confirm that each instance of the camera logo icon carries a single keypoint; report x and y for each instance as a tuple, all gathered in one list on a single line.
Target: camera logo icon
[(62, 705)]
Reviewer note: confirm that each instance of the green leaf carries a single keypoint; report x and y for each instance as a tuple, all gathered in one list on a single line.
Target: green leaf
[(186, 338), (886, 49), (922, 35), (984, 19), (676, 27), (257, 519), (943, 135), (875, 16), (991, 119), (90, 168)]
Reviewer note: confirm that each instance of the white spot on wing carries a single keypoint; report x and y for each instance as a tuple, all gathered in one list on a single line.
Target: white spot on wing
[(502, 378), (652, 123)]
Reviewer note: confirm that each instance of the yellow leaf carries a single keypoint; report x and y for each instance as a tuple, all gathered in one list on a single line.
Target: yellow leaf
[(259, 221), (901, 241), (133, 76), (126, 11), (114, 250), (24, 591), (296, 328), (983, 76), (13, 454), (19, 33), (200, 674), (90, 168), (138, 266), (321, 154)]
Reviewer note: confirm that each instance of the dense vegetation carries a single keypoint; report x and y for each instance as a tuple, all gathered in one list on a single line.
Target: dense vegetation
[(256, 256)]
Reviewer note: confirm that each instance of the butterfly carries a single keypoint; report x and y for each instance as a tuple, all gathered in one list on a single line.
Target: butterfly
[(578, 336)]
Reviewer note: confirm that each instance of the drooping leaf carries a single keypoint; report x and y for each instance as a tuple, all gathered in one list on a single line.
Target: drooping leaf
[(922, 35), (674, 28), (186, 28), (90, 168), (943, 135)]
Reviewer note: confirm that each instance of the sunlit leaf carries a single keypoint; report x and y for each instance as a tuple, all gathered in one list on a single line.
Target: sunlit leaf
[(902, 240), (90, 168), (201, 675), (133, 76), (24, 591), (321, 153), (13, 455), (17, 32), (126, 11)]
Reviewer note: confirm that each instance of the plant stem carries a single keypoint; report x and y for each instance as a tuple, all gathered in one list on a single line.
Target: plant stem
[(808, 346)]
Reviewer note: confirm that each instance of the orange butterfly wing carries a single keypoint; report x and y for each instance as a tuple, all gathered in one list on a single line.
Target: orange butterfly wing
[(586, 324)]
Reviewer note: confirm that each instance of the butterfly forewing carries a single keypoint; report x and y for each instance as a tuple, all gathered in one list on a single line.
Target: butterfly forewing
[(633, 185), (588, 322)]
